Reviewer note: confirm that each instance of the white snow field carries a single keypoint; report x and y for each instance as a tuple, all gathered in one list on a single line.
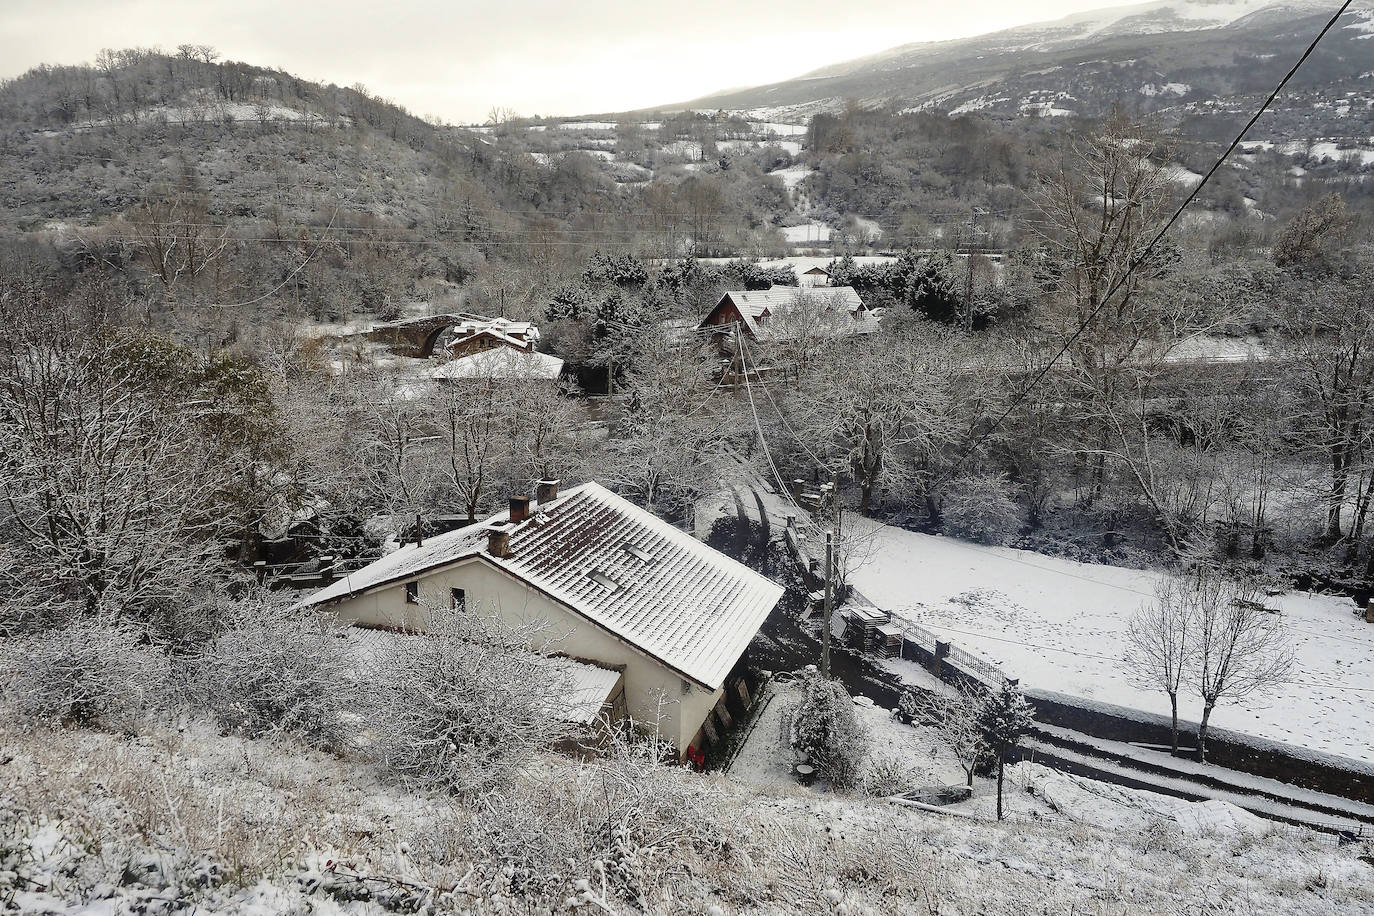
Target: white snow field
[(1060, 626)]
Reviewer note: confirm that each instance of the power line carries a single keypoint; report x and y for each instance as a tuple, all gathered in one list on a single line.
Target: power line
[(1145, 254), (778, 410)]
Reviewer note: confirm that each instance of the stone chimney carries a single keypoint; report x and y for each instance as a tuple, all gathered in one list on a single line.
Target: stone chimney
[(519, 509), (498, 541), (546, 492)]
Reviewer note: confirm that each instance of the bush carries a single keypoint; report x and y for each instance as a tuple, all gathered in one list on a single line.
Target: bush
[(887, 776), (85, 673), (463, 706), (982, 509), (274, 668), (824, 731)]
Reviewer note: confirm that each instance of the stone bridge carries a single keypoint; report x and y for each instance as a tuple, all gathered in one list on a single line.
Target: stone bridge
[(414, 337)]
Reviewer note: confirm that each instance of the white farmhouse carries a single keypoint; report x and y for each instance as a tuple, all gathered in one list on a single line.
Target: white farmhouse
[(614, 585)]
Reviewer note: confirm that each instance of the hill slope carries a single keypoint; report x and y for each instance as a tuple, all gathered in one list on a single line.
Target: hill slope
[(1187, 58)]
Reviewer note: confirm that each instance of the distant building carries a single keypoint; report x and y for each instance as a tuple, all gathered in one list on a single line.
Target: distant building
[(476, 333), (460, 334), (816, 276), (618, 588), (786, 312)]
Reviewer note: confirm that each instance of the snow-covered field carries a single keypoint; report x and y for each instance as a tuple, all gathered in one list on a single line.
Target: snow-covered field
[(1060, 626), (807, 232), (793, 175)]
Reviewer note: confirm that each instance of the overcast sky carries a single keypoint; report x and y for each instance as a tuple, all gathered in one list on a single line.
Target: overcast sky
[(455, 59)]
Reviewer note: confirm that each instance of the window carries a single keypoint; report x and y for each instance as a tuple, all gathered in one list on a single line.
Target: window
[(412, 593), (458, 599)]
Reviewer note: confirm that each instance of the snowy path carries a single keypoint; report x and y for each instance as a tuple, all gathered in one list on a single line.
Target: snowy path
[(1059, 625)]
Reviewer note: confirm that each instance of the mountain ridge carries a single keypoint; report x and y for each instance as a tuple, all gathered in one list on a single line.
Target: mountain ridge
[(1204, 52)]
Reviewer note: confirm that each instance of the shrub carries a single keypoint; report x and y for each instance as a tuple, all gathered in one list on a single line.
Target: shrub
[(85, 673), (462, 706), (885, 776), (824, 730), (273, 668), (982, 509)]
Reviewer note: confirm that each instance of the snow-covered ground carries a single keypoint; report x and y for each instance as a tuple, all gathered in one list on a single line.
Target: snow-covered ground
[(793, 175), (807, 232), (1060, 626), (182, 821)]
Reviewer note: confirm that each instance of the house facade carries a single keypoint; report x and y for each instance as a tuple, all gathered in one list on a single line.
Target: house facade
[(599, 580)]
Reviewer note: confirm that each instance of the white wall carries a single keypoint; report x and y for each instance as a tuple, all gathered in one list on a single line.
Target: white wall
[(493, 593)]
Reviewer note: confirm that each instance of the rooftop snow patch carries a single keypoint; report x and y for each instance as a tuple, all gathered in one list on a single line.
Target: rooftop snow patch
[(502, 362)]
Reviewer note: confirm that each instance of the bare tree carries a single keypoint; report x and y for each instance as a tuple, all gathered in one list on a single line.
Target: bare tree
[(1241, 648), (672, 422), (176, 235), (884, 410), (126, 465), (1102, 207), (1328, 324), (954, 715), (1160, 644)]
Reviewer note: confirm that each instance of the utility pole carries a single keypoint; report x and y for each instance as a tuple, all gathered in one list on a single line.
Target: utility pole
[(831, 537), (829, 603)]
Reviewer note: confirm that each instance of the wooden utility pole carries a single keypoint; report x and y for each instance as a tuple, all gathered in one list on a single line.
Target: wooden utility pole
[(831, 538), (829, 602)]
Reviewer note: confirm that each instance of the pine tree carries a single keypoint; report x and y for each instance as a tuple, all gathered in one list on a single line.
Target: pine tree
[(1003, 719)]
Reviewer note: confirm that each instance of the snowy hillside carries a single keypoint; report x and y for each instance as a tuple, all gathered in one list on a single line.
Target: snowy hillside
[(1154, 54)]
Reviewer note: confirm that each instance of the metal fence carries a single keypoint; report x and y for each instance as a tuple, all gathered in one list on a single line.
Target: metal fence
[(984, 671)]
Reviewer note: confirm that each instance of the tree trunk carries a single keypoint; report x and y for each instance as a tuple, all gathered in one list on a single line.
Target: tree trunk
[(1202, 733), (1173, 724), (1336, 499), (1001, 760), (968, 771)]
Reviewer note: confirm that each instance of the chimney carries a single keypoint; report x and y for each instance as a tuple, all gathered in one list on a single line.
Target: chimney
[(519, 509), (498, 541), (546, 492)]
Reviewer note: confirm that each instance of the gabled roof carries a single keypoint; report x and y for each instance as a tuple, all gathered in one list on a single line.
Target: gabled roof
[(627, 571), (756, 307), (471, 325), (501, 362), (519, 343)]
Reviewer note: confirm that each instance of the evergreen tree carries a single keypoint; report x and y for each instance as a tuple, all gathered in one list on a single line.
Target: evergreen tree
[(1003, 718)]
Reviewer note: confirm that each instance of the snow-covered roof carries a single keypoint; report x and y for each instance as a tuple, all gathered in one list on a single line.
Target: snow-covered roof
[(501, 362), (757, 308), (509, 340), (471, 325), (589, 687), (624, 569), (586, 688)]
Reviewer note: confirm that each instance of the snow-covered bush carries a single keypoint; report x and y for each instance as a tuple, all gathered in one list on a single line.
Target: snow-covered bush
[(462, 706), (87, 672), (274, 668), (982, 508), (885, 775), (824, 731)]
